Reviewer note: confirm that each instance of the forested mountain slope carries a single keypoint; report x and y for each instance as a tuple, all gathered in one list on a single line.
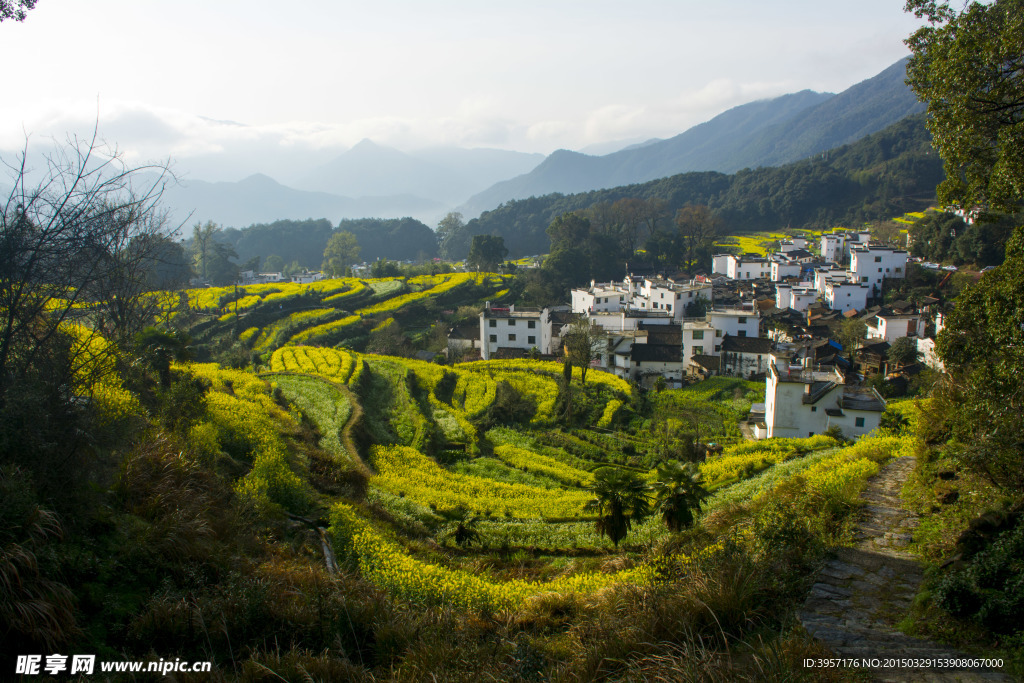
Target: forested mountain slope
[(884, 174), (763, 133)]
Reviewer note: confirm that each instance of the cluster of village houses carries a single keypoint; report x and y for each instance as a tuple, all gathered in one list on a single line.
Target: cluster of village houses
[(754, 317)]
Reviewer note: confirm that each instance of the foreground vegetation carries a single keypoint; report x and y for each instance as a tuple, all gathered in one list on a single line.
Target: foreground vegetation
[(336, 514)]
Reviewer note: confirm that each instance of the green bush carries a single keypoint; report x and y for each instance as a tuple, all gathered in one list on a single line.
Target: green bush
[(989, 587)]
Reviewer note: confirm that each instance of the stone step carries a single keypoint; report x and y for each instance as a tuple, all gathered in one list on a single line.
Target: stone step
[(861, 589)]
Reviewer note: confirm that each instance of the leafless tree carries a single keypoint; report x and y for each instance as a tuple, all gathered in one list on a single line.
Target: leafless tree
[(76, 237)]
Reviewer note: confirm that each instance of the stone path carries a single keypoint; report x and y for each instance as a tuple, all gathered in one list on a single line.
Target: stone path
[(863, 591)]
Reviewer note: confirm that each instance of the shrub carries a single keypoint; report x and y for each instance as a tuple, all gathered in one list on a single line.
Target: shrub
[(988, 587)]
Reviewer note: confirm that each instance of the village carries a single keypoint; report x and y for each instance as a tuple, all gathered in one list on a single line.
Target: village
[(779, 317)]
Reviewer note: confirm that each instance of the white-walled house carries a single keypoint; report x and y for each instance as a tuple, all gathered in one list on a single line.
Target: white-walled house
[(600, 298), (797, 297), (704, 336), (720, 263), (737, 322), (699, 339), (843, 296), (306, 278), (463, 339), (833, 247), (836, 246), (801, 401), (822, 275), (891, 327), (630, 319), (508, 328), (668, 296), (747, 267), (870, 265), (780, 270), (745, 356)]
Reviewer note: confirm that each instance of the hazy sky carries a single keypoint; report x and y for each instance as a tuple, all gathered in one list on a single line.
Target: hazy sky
[(164, 76)]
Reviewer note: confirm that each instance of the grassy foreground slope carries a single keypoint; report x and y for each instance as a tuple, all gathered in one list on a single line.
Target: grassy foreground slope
[(350, 516)]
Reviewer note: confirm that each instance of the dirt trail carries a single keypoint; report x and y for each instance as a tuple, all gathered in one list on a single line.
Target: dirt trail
[(863, 591)]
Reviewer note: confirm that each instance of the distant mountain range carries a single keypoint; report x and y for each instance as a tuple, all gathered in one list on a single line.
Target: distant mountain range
[(367, 181), (261, 199), (763, 133), (372, 180), (446, 175)]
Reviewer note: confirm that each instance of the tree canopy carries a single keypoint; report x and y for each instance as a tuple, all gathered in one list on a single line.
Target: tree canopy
[(341, 252), (982, 345), (487, 252), (968, 65)]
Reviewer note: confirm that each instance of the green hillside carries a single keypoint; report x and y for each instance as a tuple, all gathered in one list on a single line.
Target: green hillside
[(320, 512), (888, 173)]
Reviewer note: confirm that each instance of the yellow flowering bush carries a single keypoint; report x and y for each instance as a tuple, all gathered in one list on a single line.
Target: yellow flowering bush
[(610, 409), (387, 565), (748, 457), (405, 471), (332, 364), (552, 368), (245, 417), (543, 464)]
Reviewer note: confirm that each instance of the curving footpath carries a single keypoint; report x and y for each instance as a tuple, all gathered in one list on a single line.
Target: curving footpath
[(862, 591)]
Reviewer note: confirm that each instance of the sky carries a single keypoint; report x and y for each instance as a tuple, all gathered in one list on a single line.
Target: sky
[(197, 77)]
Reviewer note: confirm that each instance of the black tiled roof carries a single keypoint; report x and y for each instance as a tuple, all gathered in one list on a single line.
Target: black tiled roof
[(746, 344), (707, 362), (661, 353)]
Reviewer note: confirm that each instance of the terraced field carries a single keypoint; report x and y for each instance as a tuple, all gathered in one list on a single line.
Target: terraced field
[(521, 488)]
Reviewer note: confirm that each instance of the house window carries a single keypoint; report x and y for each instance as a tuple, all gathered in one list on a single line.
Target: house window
[(878, 259), (814, 409), (511, 323), (741, 333), (697, 350), (718, 333), (531, 340), (742, 320), (698, 334), (511, 337), (531, 324), (879, 270), (899, 270), (718, 347), (859, 422), (494, 338), (864, 279), (494, 323), (668, 307)]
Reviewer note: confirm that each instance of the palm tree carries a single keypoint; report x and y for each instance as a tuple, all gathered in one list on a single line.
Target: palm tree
[(620, 498), (679, 493), (160, 348), (465, 532)]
